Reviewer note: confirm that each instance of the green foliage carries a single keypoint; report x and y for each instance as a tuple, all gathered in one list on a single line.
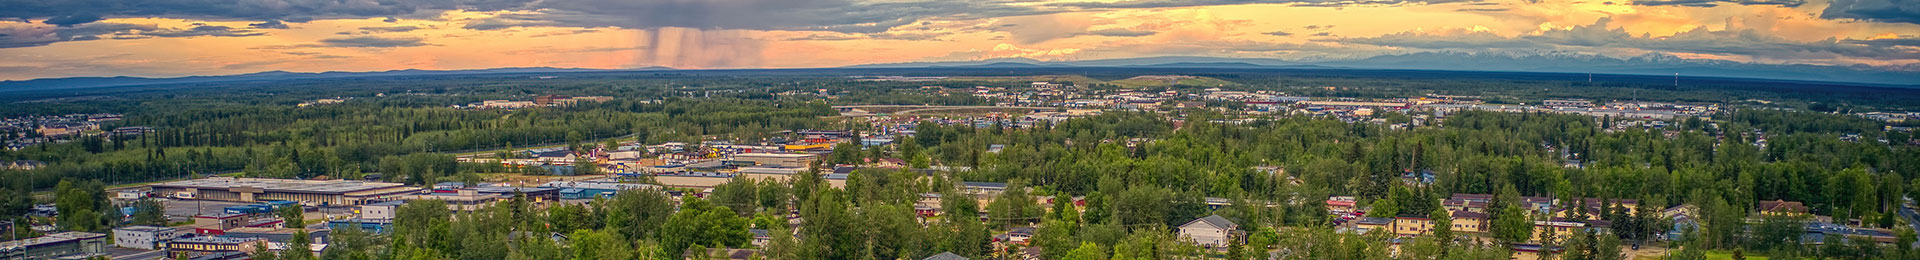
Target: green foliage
[(1086, 251), (148, 212), (294, 216), (1015, 206), (83, 206), (1511, 225)]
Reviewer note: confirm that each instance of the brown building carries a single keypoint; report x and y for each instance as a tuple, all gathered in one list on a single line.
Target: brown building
[(1782, 208), (207, 245)]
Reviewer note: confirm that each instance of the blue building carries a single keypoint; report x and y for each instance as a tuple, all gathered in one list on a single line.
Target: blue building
[(376, 226)]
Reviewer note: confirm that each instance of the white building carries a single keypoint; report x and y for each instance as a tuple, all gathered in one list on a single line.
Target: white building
[(143, 237), (1211, 231), (381, 211)]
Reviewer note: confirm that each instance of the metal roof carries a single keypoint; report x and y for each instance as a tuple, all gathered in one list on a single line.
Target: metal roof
[(281, 185)]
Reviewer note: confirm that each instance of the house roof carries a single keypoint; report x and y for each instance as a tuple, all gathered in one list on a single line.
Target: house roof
[(946, 256), (1374, 221), (1783, 206), (1468, 214), (1214, 220)]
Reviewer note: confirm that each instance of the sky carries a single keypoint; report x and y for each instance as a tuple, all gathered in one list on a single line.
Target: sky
[(171, 38)]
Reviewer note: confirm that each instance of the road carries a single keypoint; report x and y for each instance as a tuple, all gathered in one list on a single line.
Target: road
[(1913, 219), (136, 254)]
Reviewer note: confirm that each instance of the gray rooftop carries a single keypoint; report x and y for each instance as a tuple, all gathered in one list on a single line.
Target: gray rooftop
[(1216, 221), (946, 256), (216, 240), (144, 228), (55, 238), (281, 185)]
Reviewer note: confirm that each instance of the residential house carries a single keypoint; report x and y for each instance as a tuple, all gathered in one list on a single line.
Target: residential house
[(760, 237), (22, 165), (1211, 231), (1782, 208)]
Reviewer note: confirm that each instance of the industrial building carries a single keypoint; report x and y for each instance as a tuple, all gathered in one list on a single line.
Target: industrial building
[(54, 246), (308, 192), (777, 159)]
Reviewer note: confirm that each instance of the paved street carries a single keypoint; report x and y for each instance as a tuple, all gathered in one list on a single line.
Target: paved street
[(135, 254)]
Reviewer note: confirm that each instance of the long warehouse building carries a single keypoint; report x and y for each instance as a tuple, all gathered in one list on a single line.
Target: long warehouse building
[(309, 192)]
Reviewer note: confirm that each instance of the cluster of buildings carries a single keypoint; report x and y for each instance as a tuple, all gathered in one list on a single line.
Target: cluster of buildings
[(538, 101), (323, 101), (237, 231), (1559, 220), (1555, 219), (22, 132)]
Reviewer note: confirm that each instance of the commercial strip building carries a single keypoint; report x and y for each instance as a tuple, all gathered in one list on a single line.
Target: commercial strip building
[(209, 245), (308, 192)]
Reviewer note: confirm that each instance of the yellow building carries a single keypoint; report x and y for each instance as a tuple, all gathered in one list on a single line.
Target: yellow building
[(1469, 222), (186, 248), (1412, 226), (1559, 230)]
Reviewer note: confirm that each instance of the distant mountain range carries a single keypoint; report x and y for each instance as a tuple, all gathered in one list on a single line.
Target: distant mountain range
[(1558, 62), (1546, 61)]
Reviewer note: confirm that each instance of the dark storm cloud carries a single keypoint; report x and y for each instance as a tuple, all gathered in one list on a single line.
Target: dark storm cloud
[(204, 30), (1119, 32), (372, 42), (269, 24), (28, 37), (72, 19), (844, 16), (290, 10), (1898, 11), (403, 28), (1909, 41)]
